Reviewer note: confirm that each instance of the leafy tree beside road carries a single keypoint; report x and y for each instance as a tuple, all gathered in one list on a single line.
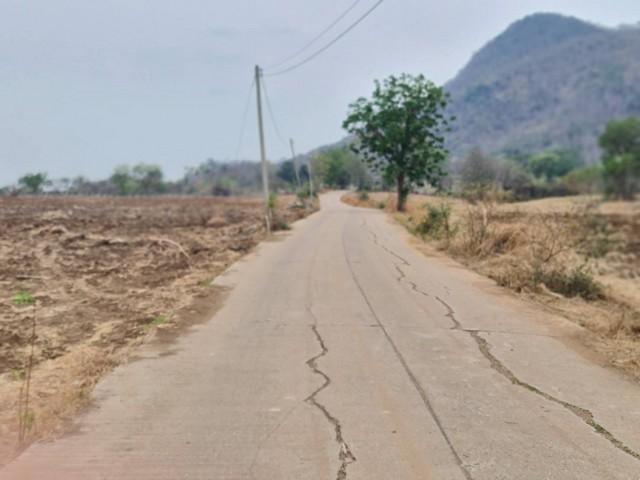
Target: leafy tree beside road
[(400, 131)]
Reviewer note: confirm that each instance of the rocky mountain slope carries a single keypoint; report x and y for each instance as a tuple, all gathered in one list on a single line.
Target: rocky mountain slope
[(547, 81)]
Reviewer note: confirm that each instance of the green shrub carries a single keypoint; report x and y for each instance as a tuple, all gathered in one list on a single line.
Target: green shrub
[(279, 224), (304, 192), (576, 282), (363, 195), (23, 298), (584, 180), (436, 222)]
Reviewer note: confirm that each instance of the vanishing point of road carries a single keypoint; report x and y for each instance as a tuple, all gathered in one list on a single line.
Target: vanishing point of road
[(341, 352)]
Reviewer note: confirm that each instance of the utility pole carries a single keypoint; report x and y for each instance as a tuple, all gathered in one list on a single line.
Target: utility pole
[(310, 178), (295, 164), (263, 154)]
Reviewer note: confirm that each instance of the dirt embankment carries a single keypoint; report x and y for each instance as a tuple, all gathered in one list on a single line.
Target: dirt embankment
[(576, 256), (106, 273)]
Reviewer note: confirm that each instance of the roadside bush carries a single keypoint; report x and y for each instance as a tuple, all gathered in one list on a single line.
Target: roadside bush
[(304, 192), (550, 236), (436, 222), (476, 229), (363, 196), (576, 282), (279, 224)]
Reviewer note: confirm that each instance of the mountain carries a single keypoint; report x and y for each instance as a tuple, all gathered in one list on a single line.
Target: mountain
[(548, 81)]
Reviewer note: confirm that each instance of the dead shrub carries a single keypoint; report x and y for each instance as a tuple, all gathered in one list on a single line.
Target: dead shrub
[(631, 322), (597, 236), (550, 236), (478, 231), (506, 239)]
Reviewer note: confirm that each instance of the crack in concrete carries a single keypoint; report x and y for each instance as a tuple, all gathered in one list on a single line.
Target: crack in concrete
[(374, 237), (401, 274), (585, 415), (485, 349), (412, 377), (345, 456)]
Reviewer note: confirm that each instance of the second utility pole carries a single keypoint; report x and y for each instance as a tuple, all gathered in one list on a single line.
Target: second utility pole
[(263, 154), (295, 164)]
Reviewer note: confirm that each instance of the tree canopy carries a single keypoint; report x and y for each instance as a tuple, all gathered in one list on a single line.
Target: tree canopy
[(400, 131), (620, 144), (555, 163), (33, 182)]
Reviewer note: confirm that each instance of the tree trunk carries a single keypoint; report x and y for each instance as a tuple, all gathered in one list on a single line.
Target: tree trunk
[(403, 192)]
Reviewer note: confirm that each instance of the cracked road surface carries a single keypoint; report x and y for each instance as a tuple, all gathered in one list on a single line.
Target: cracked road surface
[(343, 353)]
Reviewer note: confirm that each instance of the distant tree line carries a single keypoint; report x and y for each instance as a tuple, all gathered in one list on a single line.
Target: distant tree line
[(332, 168), (519, 176), (558, 172)]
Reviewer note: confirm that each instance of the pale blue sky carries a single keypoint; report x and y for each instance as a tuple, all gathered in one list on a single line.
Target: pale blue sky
[(87, 85)]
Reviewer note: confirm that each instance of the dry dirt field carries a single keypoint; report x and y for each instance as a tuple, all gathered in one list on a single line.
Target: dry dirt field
[(576, 256), (106, 274)]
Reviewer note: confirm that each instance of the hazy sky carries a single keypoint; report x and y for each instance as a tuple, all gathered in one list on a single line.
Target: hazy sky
[(88, 85)]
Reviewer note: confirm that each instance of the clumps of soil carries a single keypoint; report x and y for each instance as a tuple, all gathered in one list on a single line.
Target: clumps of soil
[(105, 272)]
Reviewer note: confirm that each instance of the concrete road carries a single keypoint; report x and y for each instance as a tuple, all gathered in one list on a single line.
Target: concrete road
[(343, 353)]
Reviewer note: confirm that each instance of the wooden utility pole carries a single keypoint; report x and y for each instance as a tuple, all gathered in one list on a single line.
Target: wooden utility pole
[(295, 164), (310, 177), (263, 154)]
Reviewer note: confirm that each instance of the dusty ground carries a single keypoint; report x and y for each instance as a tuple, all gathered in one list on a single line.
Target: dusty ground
[(503, 241), (107, 274)]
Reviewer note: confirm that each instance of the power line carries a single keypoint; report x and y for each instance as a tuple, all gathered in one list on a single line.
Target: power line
[(328, 45), (271, 115), (244, 120), (316, 38)]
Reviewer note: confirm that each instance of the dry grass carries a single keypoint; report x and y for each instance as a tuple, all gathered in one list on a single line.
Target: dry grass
[(577, 255)]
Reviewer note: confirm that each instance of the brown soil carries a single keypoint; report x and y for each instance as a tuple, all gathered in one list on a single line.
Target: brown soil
[(601, 237), (106, 274)]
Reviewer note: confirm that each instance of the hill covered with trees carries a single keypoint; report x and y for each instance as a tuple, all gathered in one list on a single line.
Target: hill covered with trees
[(546, 82)]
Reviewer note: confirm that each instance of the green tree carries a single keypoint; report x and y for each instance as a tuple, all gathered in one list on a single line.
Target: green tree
[(336, 174), (400, 131), (555, 163), (287, 172), (620, 145), (33, 182), (304, 173), (123, 180), (149, 178)]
